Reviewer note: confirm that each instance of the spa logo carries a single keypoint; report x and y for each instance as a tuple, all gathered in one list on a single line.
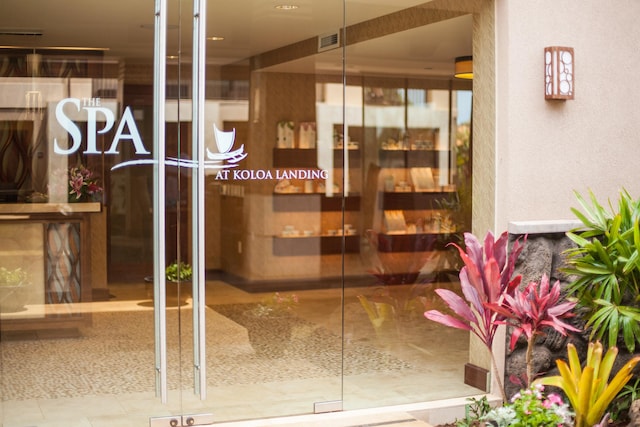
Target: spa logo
[(93, 108), (224, 158)]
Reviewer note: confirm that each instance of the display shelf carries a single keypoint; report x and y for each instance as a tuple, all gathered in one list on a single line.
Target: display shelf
[(416, 200), (315, 245), (419, 242), (411, 158), (308, 157), (311, 202)]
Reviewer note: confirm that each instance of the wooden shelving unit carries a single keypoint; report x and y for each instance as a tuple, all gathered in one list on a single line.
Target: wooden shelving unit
[(310, 202), (308, 157), (412, 200), (315, 245)]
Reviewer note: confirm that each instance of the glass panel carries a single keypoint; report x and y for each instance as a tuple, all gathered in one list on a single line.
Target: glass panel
[(76, 313), (413, 205), (298, 209), (274, 193)]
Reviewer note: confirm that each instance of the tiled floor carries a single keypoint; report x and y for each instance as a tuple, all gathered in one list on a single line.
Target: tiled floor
[(419, 364)]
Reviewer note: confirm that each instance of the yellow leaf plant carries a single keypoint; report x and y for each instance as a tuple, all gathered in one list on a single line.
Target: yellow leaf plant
[(587, 388)]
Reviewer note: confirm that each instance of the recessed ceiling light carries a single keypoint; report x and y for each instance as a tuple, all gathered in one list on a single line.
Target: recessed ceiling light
[(215, 38), (286, 7)]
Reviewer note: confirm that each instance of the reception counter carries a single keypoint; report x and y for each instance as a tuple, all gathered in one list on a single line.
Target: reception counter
[(61, 249), (48, 208)]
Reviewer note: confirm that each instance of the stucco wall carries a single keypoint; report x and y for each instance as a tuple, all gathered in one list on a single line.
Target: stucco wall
[(544, 150)]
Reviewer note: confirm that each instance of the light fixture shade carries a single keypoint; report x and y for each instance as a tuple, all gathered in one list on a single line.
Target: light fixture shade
[(34, 62), (558, 72), (464, 67)]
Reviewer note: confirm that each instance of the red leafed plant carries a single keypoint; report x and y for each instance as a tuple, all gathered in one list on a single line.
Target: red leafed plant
[(533, 309), (485, 279)]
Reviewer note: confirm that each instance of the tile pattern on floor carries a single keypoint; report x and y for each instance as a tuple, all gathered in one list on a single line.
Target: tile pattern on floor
[(113, 390)]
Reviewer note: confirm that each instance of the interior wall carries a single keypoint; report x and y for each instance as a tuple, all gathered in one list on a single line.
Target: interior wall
[(275, 97), (547, 149)]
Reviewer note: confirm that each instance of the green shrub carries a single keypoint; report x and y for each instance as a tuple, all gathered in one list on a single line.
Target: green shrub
[(606, 264)]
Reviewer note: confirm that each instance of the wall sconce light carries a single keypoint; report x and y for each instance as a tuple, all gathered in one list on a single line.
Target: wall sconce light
[(464, 67), (558, 72)]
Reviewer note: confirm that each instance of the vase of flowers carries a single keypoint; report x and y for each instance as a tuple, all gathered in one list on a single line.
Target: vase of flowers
[(83, 185), (269, 324), (73, 185)]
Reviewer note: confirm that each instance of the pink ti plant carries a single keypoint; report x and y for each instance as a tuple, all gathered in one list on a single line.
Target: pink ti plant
[(533, 309), (485, 280)]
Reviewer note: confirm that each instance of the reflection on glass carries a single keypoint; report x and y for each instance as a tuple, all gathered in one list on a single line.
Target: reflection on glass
[(323, 245), (411, 212)]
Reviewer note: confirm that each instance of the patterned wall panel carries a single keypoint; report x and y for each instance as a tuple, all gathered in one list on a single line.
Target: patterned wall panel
[(63, 277), (15, 153)]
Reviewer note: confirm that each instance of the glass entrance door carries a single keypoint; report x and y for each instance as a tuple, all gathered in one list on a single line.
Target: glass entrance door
[(149, 265), (196, 211), (268, 189)]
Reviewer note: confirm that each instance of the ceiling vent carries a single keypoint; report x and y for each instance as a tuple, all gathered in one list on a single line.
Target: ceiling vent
[(328, 41), (19, 32)]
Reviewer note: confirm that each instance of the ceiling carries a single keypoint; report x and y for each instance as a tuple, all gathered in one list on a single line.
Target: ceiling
[(124, 28)]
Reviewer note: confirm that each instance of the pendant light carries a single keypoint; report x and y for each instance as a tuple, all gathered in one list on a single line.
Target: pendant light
[(464, 67)]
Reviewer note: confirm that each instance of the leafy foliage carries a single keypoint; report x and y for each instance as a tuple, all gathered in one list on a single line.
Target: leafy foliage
[(606, 263), (531, 408), (15, 277), (474, 411), (588, 389), (380, 313), (535, 308), (619, 407), (389, 305), (178, 271)]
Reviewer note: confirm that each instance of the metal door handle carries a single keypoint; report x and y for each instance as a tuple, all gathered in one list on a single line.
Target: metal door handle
[(182, 420)]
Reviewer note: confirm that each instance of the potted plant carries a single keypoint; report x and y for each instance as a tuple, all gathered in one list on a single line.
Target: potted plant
[(178, 272), (13, 293), (269, 324), (175, 274)]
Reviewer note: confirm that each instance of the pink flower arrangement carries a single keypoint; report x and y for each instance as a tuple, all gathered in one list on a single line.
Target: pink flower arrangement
[(83, 184)]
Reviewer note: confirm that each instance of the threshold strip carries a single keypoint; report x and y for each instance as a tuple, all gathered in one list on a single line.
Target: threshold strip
[(386, 423)]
